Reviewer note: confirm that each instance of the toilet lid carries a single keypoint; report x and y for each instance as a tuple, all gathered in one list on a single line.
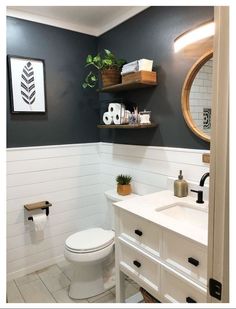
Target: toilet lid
[(90, 240)]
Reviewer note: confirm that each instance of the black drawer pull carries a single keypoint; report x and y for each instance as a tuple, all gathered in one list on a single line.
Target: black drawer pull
[(193, 261), (190, 300), (137, 264), (138, 232)]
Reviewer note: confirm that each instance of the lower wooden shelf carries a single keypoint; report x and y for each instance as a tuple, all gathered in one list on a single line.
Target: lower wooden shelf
[(127, 126)]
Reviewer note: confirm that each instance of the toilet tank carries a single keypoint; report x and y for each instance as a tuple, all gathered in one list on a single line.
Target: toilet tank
[(111, 197)]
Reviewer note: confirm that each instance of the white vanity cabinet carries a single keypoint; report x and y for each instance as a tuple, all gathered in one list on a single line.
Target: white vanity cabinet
[(170, 266), (145, 234)]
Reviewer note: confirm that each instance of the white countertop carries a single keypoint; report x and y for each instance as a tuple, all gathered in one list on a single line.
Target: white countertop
[(146, 206)]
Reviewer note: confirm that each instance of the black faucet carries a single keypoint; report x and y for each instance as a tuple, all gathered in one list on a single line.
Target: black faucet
[(204, 177), (200, 192)]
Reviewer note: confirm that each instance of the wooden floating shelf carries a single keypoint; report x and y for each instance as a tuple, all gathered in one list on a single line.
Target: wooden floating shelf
[(127, 126), (38, 205), (128, 86), (136, 80)]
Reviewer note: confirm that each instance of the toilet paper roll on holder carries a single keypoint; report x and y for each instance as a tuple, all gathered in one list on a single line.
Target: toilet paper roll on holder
[(44, 205)]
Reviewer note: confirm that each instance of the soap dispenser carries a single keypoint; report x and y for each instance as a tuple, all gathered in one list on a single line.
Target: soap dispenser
[(180, 186)]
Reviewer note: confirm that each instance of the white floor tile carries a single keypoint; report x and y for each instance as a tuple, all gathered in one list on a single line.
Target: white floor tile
[(36, 292), (53, 278), (13, 294), (130, 289), (27, 279), (136, 298), (106, 297), (51, 285), (62, 296)]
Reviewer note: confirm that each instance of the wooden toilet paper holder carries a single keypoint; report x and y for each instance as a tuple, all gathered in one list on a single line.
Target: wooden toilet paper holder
[(44, 205)]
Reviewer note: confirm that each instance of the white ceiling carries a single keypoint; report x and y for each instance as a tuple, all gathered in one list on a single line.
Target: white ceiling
[(93, 20)]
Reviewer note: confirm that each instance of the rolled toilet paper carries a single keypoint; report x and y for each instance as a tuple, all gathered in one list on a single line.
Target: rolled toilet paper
[(114, 108), (107, 118), (117, 118), (39, 221)]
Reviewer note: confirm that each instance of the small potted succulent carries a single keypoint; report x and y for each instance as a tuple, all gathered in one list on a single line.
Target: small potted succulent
[(108, 66), (123, 184)]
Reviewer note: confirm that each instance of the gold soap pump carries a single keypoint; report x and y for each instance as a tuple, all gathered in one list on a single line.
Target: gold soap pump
[(180, 186)]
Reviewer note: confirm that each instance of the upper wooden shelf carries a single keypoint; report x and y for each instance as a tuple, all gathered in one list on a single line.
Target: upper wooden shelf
[(131, 81), (128, 86), (127, 126)]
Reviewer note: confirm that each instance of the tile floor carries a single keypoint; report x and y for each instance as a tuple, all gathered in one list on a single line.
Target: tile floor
[(50, 285)]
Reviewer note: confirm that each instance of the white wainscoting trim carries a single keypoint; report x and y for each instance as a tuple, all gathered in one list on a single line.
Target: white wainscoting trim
[(30, 269), (66, 175), (150, 166), (74, 177)]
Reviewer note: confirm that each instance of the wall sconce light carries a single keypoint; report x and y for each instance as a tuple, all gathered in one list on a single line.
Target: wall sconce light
[(201, 32)]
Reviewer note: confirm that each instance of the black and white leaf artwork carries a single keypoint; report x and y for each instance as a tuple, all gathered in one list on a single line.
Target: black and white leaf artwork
[(28, 84)]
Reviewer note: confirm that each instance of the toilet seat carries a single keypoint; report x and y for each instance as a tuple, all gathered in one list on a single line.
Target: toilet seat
[(90, 240)]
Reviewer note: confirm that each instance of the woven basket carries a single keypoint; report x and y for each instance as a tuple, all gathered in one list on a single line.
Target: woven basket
[(148, 298)]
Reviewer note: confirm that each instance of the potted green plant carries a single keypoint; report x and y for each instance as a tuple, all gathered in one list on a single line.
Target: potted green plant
[(123, 184), (107, 65)]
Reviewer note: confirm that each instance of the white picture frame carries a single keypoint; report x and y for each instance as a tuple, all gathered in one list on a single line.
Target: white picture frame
[(27, 85)]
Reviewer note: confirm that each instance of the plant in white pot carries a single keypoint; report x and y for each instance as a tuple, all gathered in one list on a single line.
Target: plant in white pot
[(109, 67), (123, 184)]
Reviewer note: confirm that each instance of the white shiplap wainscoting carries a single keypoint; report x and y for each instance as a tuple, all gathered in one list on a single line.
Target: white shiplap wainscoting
[(150, 166), (73, 178), (68, 176)]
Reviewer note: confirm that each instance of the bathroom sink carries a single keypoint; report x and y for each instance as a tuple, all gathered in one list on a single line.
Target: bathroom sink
[(186, 213)]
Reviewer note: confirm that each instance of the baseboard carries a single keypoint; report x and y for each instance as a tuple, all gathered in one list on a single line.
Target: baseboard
[(27, 270)]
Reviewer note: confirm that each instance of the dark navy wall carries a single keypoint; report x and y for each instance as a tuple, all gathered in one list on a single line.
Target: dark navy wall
[(150, 35), (72, 113)]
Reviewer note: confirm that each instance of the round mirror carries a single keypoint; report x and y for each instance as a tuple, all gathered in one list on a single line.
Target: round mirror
[(197, 97)]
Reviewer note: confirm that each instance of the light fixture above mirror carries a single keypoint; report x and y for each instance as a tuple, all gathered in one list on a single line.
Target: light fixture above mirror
[(191, 36)]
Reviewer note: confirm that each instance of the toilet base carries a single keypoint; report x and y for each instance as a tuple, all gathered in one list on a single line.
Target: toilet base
[(91, 272), (87, 281), (92, 280)]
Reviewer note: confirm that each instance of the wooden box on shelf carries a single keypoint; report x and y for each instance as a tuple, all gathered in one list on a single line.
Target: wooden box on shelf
[(140, 76)]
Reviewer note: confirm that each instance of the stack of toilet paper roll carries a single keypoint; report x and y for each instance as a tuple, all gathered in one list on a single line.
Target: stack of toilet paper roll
[(116, 114)]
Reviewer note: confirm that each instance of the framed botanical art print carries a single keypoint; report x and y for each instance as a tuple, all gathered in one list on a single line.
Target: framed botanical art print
[(27, 85)]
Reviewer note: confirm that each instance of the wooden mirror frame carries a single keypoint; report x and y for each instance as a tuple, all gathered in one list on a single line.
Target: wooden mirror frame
[(185, 95)]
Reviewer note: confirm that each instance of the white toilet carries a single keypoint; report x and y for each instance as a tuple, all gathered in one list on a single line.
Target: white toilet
[(89, 251)]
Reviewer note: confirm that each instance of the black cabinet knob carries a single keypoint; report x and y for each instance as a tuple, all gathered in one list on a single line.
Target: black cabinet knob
[(138, 232), (190, 300), (137, 264), (193, 261)]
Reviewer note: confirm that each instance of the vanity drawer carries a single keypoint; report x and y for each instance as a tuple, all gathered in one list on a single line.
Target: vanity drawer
[(141, 231), (177, 290), (186, 256), (141, 266)]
